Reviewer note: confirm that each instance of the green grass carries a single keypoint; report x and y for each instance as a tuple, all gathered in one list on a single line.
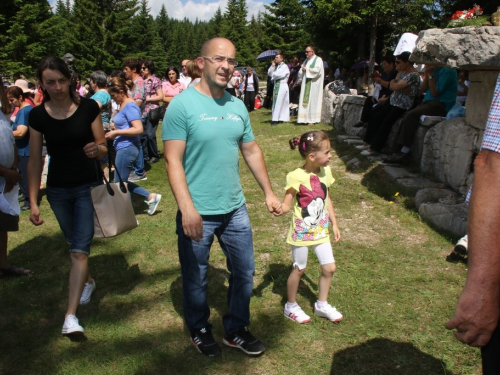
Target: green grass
[(393, 286)]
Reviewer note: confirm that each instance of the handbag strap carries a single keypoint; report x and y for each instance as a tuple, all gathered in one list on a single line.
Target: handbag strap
[(111, 163)]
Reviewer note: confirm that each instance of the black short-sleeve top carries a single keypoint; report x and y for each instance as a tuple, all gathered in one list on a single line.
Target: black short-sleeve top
[(65, 139)]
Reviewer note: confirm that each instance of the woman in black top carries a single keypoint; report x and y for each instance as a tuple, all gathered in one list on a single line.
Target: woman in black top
[(74, 135)]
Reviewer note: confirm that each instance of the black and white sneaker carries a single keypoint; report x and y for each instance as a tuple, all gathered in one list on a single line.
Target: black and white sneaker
[(204, 342), (245, 341)]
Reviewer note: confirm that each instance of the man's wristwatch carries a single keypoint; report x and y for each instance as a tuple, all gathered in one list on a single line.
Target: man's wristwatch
[(431, 77)]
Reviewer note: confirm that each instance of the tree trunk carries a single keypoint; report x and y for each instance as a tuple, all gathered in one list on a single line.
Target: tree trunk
[(373, 43)]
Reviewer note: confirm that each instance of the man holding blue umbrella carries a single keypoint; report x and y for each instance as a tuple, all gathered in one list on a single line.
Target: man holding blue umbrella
[(311, 76)]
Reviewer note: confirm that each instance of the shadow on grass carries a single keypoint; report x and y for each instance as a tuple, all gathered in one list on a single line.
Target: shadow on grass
[(382, 357), (33, 307), (278, 276)]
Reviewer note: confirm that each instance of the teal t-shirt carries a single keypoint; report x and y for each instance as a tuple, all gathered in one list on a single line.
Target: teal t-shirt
[(213, 130), (446, 85)]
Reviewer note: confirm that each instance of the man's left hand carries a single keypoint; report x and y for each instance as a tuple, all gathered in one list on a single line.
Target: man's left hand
[(273, 205), (476, 316)]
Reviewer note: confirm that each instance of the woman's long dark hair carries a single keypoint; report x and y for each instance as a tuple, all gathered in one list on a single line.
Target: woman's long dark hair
[(55, 63)]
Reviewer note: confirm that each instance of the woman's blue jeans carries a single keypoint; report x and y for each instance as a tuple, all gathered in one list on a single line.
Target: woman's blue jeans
[(234, 233), (74, 212), (124, 163)]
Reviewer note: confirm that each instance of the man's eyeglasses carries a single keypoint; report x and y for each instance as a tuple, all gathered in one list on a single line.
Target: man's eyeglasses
[(222, 59), (183, 66), (307, 51), (143, 67)]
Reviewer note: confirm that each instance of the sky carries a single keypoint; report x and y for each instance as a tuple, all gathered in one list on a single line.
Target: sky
[(201, 9)]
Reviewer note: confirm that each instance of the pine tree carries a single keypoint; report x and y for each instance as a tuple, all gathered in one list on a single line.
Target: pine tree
[(215, 25), (23, 47), (284, 27), (235, 28)]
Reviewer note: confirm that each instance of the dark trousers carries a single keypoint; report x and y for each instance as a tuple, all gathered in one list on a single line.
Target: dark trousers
[(23, 184), (367, 107), (148, 138), (490, 354), (294, 94), (380, 125), (411, 120), (250, 100)]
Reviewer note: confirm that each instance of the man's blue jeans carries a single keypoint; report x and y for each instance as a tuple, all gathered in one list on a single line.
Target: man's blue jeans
[(234, 233)]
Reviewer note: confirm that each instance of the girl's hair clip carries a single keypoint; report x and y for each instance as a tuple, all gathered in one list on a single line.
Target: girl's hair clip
[(310, 138), (304, 146)]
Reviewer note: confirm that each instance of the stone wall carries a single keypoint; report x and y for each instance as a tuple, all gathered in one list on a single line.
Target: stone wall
[(446, 150)]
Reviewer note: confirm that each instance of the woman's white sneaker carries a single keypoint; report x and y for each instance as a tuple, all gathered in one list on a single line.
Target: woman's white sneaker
[(71, 326), (328, 312), (296, 314), (88, 289)]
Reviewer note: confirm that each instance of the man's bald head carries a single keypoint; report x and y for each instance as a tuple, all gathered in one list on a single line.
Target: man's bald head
[(217, 44)]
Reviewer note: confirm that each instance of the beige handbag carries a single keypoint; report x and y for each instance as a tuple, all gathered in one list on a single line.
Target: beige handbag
[(114, 213)]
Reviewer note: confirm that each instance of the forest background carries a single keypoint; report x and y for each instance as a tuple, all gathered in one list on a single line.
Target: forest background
[(102, 33)]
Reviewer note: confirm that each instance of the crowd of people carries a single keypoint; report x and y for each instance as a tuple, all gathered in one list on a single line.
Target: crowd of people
[(106, 128), (110, 128)]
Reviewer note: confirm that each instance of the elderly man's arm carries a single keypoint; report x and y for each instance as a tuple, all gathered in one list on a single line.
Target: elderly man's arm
[(478, 308), (255, 160)]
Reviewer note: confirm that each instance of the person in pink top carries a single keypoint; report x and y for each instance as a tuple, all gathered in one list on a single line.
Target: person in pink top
[(173, 86)]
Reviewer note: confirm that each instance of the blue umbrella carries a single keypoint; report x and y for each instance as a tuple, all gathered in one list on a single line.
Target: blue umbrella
[(267, 55)]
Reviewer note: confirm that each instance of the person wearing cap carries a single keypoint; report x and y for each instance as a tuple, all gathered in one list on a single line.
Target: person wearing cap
[(27, 92)]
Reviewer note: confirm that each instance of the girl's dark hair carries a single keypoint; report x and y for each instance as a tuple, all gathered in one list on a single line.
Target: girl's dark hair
[(4, 101), (174, 69), (117, 84), (15, 92), (309, 142), (55, 63)]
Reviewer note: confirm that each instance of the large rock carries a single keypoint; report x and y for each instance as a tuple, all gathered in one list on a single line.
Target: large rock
[(414, 184), (466, 48), (451, 218), (448, 153), (417, 147), (348, 113), (480, 95), (432, 195), (330, 102)]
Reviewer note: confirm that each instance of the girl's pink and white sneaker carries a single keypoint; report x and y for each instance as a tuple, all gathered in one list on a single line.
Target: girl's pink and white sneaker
[(328, 312), (296, 314)]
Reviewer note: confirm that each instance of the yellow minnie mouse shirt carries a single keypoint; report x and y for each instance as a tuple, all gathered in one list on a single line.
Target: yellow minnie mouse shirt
[(310, 209)]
